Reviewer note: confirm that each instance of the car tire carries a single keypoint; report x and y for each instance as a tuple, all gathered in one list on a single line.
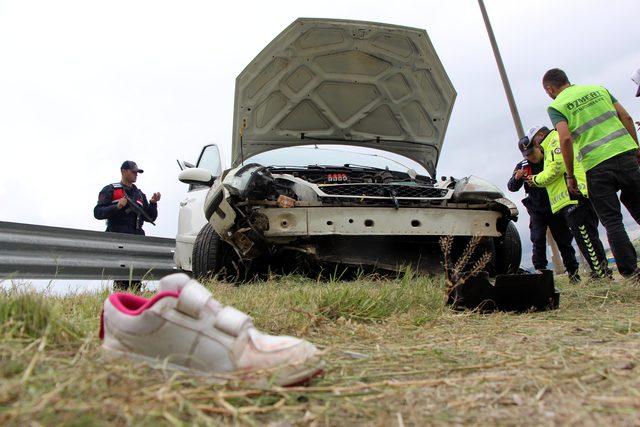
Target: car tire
[(207, 253), (508, 251)]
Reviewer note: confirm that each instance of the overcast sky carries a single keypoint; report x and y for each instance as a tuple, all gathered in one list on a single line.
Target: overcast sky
[(85, 85)]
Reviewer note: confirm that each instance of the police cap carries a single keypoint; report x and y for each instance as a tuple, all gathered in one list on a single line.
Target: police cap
[(525, 145), (130, 165)]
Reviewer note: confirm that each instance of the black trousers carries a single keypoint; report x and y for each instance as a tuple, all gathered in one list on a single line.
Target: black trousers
[(538, 223), (583, 223), (126, 285), (619, 173)]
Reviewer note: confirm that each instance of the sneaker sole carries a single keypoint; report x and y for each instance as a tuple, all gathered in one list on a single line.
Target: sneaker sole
[(287, 375)]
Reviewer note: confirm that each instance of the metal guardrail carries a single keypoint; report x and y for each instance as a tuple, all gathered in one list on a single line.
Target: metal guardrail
[(42, 252)]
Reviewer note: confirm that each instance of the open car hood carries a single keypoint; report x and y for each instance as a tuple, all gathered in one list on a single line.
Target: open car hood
[(327, 81)]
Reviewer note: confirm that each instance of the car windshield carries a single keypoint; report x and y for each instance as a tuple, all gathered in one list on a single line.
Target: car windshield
[(335, 155)]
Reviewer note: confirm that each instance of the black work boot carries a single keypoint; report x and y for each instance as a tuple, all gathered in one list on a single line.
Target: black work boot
[(634, 277), (574, 277), (608, 275)]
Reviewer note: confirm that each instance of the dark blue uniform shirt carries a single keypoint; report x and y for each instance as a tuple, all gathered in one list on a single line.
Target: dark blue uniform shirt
[(537, 199), (124, 220)]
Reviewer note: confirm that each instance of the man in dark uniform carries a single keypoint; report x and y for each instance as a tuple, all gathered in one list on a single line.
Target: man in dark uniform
[(540, 217), (113, 206)]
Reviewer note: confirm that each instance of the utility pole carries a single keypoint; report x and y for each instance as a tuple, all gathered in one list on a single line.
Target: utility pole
[(555, 256), (503, 74)]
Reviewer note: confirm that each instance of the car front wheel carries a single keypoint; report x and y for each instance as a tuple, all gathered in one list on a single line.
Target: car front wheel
[(508, 251), (207, 253)]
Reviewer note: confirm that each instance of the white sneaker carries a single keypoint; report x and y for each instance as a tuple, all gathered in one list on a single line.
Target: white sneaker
[(184, 328)]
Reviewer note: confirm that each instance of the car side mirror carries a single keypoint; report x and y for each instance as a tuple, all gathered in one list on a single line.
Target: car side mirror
[(184, 165), (197, 176)]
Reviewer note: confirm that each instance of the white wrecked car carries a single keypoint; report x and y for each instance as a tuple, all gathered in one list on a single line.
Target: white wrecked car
[(338, 127)]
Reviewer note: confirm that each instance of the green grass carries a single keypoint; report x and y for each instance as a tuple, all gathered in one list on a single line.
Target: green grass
[(395, 356)]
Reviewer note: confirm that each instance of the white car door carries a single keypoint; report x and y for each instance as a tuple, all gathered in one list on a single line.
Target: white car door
[(191, 214)]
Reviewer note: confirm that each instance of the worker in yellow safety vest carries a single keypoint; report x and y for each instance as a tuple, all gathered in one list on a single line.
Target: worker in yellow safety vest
[(540, 217), (596, 132), (576, 209)]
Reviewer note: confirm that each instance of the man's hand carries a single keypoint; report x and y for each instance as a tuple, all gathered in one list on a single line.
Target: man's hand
[(155, 198), (519, 174), (572, 185), (122, 203), (529, 180)]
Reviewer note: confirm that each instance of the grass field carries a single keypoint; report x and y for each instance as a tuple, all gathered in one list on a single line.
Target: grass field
[(395, 356)]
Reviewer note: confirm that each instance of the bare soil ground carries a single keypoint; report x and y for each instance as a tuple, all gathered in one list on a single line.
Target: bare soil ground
[(395, 356)]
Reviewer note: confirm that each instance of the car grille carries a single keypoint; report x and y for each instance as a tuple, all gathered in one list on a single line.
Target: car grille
[(383, 190)]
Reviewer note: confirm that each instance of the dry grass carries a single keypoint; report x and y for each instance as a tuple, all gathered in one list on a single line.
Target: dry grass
[(395, 356), (457, 274)]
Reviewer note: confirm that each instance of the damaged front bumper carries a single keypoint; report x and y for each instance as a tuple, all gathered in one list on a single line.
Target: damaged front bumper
[(261, 213), (353, 221), (346, 210)]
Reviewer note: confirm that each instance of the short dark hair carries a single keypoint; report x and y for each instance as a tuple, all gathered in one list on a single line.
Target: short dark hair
[(555, 77)]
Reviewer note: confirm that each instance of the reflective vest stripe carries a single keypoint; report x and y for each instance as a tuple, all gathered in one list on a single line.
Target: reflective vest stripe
[(595, 144), (593, 122), (554, 166)]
